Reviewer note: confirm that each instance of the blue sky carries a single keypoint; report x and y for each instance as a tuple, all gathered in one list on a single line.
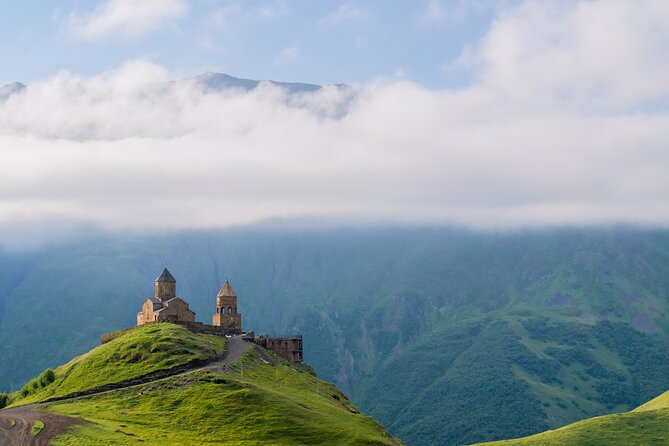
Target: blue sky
[(310, 41)]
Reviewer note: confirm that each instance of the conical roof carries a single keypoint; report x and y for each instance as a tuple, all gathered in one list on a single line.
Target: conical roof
[(165, 276), (226, 290)]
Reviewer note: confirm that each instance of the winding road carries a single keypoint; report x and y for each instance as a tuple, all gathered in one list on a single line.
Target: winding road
[(16, 423), (234, 347)]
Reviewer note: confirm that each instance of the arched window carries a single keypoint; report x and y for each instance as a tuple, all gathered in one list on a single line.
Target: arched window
[(229, 309)]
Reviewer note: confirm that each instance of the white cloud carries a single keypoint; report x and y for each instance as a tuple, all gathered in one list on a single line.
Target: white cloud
[(605, 53), (437, 11), (270, 11), (400, 73), (225, 24), (232, 14), (287, 55), (520, 147), (440, 11), (124, 18), (346, 13)]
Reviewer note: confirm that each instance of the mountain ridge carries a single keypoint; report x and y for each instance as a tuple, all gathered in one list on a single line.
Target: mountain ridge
[(212, 81), (8, 90), (412, 323), (222, 81)]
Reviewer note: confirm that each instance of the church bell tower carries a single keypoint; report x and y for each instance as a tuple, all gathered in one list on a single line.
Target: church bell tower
[(226, 315), (166, 286)]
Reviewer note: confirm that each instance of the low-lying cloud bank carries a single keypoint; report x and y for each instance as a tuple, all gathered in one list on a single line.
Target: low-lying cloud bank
[(562, 125)]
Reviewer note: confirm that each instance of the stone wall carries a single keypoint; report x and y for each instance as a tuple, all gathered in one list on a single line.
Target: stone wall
[(288, 348), (166, 290), (146, 315), (178, 310), (200, 328), (231, 322)]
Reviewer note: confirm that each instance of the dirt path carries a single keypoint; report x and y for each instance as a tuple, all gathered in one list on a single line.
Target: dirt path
[(19, 434), (234, 348), (25, 416)]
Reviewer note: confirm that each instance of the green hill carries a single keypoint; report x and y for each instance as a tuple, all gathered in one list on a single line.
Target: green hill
[(257, 398), (141, 351), (445, 336), (645, 425)]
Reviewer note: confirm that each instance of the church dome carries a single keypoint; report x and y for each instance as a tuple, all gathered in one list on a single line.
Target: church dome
[(166, 276)]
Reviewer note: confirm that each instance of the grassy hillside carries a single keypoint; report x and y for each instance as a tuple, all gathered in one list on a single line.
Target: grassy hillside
[(646, 425), (659, 403), (445, 336), (268, 404), (134, 354), (258, 399)]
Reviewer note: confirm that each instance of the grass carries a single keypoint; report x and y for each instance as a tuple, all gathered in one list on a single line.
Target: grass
[(12, 422), (37, 428), (646, 425), (661, 402), (146, 349), (253, 403), (261, 399), (632, 428)]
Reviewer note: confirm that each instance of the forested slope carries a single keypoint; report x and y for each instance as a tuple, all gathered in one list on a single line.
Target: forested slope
[(445, 336)]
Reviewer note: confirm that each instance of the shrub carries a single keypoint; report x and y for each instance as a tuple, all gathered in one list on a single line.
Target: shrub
[(4, 400), (44, 379), (47, 377)]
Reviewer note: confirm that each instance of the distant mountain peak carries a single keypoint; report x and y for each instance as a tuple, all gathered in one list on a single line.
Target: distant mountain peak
[(223, 81), (9, 89), (210, 81), (216, 82)]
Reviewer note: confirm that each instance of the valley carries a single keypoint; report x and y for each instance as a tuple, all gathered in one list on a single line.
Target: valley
[(445, 336)]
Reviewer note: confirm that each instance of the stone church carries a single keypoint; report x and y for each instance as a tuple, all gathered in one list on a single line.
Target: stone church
[(165, 306)]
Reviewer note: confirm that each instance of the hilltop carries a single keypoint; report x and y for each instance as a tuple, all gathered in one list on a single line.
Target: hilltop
[(647, 424), (162, 384)]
